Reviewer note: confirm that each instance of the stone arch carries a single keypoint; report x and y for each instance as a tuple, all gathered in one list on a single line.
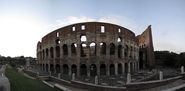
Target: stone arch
[(52, 68), (43, 67), (65, 69), (92, 48), (46, 67), (120, 69), (47, 52), (93, 70), (57, 68), (131, 51), (126, 51), (51, 52), (119, 39), (112, 49), (73, 48), (119, 51), (83, 38), (126, 67), (103, 48), (74, 69), (57, 51), (43, 54), (103, 69), (65, 49), (82, 49), (83, 70), (112, 69)]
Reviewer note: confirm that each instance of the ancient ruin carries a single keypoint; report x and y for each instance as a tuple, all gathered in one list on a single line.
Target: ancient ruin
[(95, 48)]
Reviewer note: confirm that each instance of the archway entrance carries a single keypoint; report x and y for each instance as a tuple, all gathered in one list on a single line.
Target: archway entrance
[(93, 70), (102, 69), (83, 70)]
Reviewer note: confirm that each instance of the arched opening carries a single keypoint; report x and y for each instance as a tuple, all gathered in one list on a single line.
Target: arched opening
[(126, 67), (73, 48), (46, 67), (47, 52), (126, 51), (82, 47), (131, 51), (131, 67), (102, 69), (119, 39), (93, 70), (119, 51), (83, 38), (120, 69), (52, 68), (92, 49), (65, 49), (57, 68), (83, 70), (43, 67), (112, 49), (112, 69), (65, 69), (74, 69), (103, 48), (51, 52), (43, 54), (57, 51), (57, 41), (141, 59)]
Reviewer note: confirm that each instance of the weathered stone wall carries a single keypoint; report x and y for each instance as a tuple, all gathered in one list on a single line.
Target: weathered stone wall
[(90, 48)]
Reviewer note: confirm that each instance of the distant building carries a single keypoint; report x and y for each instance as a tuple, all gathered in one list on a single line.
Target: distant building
[(95, 48)]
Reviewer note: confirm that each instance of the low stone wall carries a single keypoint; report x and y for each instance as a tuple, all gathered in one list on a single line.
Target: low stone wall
[(89, 86), (136, 86), (30, 73), (150, 84), (4, 82)]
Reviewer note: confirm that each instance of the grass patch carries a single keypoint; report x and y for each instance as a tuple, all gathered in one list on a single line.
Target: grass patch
[(18, 82)]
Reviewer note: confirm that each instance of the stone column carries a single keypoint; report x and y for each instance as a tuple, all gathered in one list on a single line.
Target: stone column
[(123, 56), (160, 75), (128, 78), (54, 59), (73, 76), (61, 51), (116, 68), (128, 67), (78, 70), (69, 70), (96, 80), (69, 50), (59, 74), (182, 69), (108, 71), (116, 51), (88, 71), (123, 68), (98, 69)]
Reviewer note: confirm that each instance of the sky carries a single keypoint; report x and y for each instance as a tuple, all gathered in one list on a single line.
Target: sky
[(24, 22)]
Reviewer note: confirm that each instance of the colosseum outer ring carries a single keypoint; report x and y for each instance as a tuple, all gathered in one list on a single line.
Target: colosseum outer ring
[(89, 49)]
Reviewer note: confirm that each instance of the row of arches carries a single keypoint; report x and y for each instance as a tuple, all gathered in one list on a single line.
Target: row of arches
[(92, 70), (119, 50)]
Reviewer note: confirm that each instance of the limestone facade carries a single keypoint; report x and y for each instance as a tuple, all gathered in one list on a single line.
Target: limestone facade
[(89, 49)]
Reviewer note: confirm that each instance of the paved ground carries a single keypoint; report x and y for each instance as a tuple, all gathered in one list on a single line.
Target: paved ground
[(69, 87), (174, 84)]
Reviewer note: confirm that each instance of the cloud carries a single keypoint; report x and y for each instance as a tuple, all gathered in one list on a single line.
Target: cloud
[(115, 19)]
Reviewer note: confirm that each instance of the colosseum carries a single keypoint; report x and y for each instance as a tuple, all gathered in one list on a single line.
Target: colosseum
[(95, 48)]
